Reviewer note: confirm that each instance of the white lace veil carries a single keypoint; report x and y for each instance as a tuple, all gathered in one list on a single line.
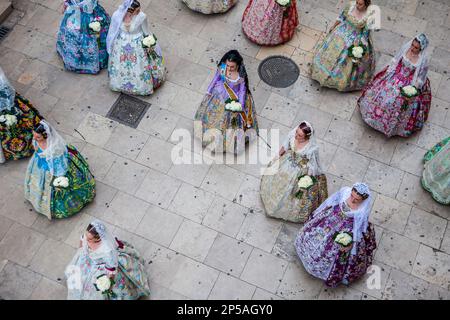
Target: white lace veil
[(311, 150), (360, 215), (7, 93), (56, 148), (420, 74), (75, 8), (107, 245), (116, 22)]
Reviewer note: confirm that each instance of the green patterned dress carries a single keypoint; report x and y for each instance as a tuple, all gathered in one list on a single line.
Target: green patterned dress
[(436, 173), (16, 141), (57, 202)]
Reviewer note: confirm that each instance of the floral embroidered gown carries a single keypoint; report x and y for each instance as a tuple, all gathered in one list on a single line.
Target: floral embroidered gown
[(332, 67), (210, 6), (213, 117), (322, 257), (16, 141), (383, 107), (131, 69), (131, 281), (78, 46), (278, 191), (436, 173), (265, 22), (56, 202)]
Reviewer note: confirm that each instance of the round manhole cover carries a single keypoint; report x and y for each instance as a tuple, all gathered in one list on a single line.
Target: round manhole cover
[(278, 71)]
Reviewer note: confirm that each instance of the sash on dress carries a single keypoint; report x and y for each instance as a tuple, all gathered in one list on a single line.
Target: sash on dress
[(246, 117)]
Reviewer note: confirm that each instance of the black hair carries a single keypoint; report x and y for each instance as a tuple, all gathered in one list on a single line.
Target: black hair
[(135, 5), (39, 128), (306, 129), (364, 196), (235, 56), (91, 230)]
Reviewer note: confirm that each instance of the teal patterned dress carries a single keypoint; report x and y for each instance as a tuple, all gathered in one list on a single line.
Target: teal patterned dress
[(56, 202), (128, 270), (436, 173)]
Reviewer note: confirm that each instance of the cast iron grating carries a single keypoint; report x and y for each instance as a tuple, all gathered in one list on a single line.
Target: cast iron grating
[(128, 110), (278, 71), (3, 32)]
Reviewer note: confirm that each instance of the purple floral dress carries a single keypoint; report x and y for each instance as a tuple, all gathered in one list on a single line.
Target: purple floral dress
[(322, 257), (383, 107)]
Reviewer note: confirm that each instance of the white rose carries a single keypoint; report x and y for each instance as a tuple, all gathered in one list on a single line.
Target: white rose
[(95, 26), (2, 118), (283, 2), (61, 182), (410, 90), (103, 283), (343, 238), (357, 52), (236, 106), (149, 41), (305, 182), (10, 120)]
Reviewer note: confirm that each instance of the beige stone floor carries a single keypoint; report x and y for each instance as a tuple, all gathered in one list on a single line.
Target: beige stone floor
[(201, 228)]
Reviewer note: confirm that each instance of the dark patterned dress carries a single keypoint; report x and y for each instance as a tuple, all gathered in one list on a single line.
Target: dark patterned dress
[(323, 258), (16, 141)]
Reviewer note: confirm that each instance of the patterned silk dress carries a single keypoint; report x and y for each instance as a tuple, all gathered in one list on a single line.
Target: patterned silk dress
[(131, 281), (56, 202), (332, 67), (227, 131), (131, 69), (383, 107), (278, 191), (81, 50), (323, 258), (266, 23), (436, 173)]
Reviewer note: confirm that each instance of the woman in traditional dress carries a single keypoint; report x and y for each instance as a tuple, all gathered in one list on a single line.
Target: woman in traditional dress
[(382, 104), (210, 6), (82, 36), (320, 246), (58, 182), (268, 23), (298, 157), (436, 172), (332, 66), (223, 130), (133, 68), (17, 119), (102, 256)]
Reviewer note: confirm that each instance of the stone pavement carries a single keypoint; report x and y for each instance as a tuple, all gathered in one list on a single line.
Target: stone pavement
[(201, 228)]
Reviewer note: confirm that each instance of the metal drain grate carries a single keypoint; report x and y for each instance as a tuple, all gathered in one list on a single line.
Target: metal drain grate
[(3, 32), (128, 110), (278, 71)]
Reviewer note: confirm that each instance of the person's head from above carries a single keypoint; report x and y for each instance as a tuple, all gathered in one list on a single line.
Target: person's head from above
[(39, 133), (360, 192), (92, 236), (419, 43), (134, 8), (362, 5), (233, 60), (303, 132)]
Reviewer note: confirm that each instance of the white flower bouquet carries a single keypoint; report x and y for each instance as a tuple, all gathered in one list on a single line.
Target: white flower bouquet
[(356, 52), (9, 119), (149, 42), (408, 92), (104, 285), (304, 183), (233, 106), (343, 238), (61, 182), (283, 3), (95, 27)]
